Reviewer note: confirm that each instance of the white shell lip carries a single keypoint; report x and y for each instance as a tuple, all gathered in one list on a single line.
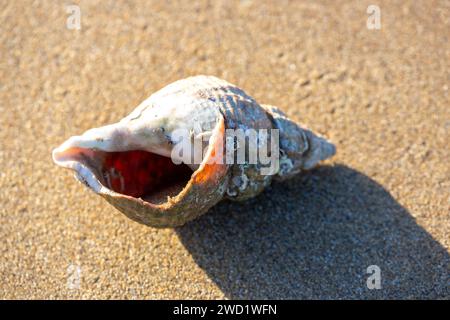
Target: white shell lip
[(109, 138), (82, 172)]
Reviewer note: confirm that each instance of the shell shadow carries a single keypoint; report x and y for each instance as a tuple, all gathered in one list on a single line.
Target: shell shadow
[(314, 237)]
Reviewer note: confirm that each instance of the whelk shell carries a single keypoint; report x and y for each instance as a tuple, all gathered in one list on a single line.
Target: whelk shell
[(132, 163)]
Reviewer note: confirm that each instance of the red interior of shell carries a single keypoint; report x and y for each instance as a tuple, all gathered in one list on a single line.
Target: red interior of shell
[(140, 173)]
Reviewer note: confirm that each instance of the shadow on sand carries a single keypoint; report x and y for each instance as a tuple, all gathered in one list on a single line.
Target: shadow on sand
[(314, 237)]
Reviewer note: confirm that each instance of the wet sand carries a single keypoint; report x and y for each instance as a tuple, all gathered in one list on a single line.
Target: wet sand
[(380, 95)]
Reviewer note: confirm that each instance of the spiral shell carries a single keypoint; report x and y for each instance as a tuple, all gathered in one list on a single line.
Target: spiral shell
[(134, 166)]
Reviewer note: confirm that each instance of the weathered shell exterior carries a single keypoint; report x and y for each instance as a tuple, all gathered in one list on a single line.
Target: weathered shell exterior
[(203, 105)]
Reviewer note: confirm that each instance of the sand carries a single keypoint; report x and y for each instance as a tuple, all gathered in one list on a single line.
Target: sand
[(380, 95)]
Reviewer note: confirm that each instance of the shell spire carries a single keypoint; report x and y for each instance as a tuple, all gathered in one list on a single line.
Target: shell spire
[(188, 146)]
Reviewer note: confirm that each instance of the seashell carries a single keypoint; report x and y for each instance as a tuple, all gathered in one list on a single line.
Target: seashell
[(136, 163)]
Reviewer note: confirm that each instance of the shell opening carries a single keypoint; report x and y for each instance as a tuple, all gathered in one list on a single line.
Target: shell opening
[(142, 174), (139, 173), (135, 173)]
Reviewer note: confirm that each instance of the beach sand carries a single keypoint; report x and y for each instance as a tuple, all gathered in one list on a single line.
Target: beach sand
[(380, 95)]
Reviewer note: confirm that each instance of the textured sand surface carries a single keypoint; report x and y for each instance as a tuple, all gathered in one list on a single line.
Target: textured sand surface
[(380, 95)]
